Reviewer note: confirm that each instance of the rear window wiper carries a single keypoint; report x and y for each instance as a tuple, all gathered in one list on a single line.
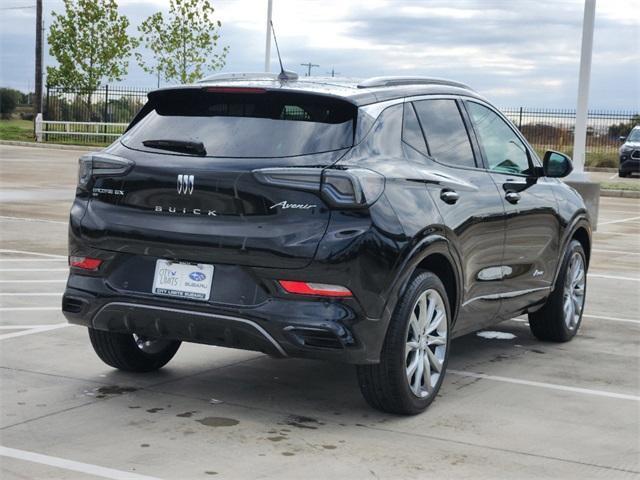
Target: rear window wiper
[(181, 146)]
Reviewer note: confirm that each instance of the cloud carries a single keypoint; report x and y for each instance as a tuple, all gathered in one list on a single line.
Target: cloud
[(516, 53)]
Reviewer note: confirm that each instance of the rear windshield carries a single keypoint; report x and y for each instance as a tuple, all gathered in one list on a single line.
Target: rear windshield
[(239, 124)]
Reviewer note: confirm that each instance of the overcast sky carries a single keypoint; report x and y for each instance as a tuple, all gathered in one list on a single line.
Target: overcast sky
[(516, 52)]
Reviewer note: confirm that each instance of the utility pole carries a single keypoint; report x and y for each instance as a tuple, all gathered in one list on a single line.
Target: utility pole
[(333, 72), (580, 132), (37, 103), (309, 67), (267, 48)]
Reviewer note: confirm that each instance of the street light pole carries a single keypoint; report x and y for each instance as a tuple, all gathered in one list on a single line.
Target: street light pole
[(580, 132), (267, 49), (37, 101)]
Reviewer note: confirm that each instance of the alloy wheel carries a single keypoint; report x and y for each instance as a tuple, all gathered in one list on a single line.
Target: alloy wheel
[(574, 288), (426, 344), (150, 346)]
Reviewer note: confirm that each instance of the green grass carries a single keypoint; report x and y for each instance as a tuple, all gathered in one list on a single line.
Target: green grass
[(631, 186), (606, 159), (21, 130)]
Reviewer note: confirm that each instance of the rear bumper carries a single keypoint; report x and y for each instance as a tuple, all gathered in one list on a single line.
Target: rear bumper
[(327, 330)]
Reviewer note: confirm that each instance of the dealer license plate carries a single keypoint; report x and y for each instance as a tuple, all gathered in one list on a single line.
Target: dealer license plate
[(184, 280)]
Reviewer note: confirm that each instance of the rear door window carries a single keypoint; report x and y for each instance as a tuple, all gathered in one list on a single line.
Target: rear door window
[(254, 123), (447, 138), (411, 131)]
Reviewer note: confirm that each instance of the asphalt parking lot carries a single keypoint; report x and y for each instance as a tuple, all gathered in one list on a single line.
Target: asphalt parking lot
[(510, 407)]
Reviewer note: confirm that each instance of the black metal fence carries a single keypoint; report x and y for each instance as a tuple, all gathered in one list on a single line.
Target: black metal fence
[(553, 128), (106, 104), (544, 128)]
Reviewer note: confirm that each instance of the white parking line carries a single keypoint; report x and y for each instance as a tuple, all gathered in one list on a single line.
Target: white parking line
[(32, 281), (64, 259), (618, 221), (30, 309), (31, 331), (552, 386), (615, 175), (22, 327), (34, 269), (612, 319), (26, 252), (72, 465), (25, 219), (617, 233), (613, 277), (621, 252), (30, 294)]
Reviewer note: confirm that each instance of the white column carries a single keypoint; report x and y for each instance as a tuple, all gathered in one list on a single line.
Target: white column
[(267, 48), (38, 128), (580, 133)]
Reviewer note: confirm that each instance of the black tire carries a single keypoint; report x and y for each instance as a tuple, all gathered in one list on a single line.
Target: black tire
[(121, 351), (622, 174), (385, 385), (549, 323)]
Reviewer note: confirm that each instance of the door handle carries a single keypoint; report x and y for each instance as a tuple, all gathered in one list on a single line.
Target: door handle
[(512, 197), (449, 196)]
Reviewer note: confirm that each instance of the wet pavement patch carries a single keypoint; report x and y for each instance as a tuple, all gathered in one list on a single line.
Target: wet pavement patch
[(186, 414), (155, 410), (103, 392), (144, 445), (278, 438), (288, 454), (218, 422), (329, 447), (300, 421)]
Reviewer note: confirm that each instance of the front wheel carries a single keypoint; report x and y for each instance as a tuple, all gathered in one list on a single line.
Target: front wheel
[(132, 353), (415, 351), (560, 318)]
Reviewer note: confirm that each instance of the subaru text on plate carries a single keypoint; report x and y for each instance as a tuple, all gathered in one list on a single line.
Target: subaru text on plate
[(364, 223)]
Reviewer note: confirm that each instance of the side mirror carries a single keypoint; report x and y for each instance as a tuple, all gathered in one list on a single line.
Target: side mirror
[(622, 138), (556, 164)]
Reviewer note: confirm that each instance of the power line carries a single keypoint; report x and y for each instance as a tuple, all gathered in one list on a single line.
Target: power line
[(18, 8), (309, 67)]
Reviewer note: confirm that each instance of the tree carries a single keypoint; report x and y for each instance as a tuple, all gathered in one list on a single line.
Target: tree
[(90, 43), (183, 44), (9, 100), (622, 129)]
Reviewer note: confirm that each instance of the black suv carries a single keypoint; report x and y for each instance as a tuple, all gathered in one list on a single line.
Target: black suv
[(364, 223), (630, 153)]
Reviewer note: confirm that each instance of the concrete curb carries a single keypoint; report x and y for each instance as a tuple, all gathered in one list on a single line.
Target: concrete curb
[(600, 169), (620, 193), (56, 146)]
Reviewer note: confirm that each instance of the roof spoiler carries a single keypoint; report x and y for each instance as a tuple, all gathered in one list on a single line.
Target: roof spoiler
[(398, 81), (239, 76)]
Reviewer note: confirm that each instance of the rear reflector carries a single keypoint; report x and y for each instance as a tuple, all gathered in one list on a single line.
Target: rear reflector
[(85, 263), (317, 289)]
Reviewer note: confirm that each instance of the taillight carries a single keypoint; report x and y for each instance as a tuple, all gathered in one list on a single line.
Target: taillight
[(85, 263), (315, 289), (348, 188), (101, 164)]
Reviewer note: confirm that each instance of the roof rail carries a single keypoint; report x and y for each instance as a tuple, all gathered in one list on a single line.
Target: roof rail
[(230, 77), (398, 81)]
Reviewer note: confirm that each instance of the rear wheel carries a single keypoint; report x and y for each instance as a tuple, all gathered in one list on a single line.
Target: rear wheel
[(132, 353), (415, 352), (622, 174), (561, 316)]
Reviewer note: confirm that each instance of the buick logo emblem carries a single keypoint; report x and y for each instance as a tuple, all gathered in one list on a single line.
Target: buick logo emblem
[(185, 184)]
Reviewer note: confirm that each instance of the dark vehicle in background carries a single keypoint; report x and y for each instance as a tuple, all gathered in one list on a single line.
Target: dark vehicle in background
[(630, 153), (364, 223)]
